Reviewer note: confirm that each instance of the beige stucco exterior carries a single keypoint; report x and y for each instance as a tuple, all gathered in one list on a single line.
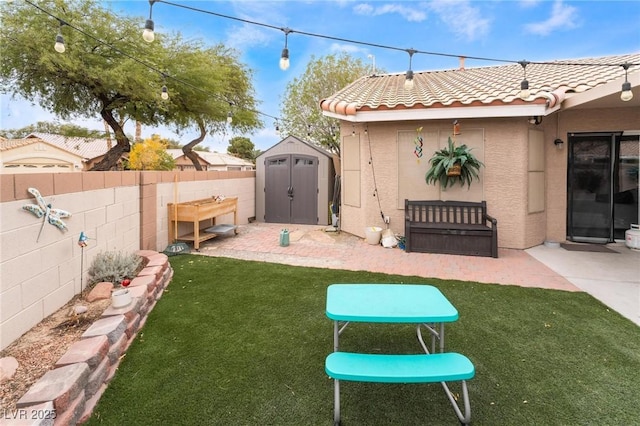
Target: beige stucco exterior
[(524, 180), (39, 157)]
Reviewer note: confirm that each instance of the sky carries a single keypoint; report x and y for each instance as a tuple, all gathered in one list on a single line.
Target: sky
[(533, 30)]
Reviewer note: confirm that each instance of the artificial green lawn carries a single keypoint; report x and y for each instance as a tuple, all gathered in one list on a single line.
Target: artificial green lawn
[(236, 342)]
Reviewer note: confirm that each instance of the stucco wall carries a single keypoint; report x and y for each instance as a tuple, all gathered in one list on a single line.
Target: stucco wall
[(503, 180), (124, 211)]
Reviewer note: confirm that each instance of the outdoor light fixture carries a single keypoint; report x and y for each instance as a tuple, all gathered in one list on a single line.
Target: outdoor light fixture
[(229, 117), (524, 85), (535, 120), (59, 46), (626, 95), (558, 143), (148, 34), (165, 93), (408, 78), (284, 57)]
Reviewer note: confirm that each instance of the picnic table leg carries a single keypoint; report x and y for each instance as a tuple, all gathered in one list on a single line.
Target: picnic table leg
[(336, 402), (466, 418)]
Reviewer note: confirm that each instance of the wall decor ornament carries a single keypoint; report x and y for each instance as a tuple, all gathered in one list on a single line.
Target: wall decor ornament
[(47, 212), (419, 142)]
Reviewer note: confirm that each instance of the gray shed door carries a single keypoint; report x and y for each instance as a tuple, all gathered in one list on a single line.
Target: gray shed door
[(291, 189)]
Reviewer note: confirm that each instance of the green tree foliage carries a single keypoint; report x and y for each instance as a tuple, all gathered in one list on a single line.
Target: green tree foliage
[(69, 130), (151, 154), (242, 147), (110, 71), (323, 77)]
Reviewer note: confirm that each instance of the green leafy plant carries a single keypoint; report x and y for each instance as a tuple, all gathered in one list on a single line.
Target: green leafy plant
[(114, 266), (444, 159)]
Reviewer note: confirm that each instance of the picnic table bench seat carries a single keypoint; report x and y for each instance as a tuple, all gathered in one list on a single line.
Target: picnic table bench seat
[(450, 227), (418, 368)]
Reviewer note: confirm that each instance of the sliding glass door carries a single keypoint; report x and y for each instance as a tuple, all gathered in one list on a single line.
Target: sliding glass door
[(602, 186)]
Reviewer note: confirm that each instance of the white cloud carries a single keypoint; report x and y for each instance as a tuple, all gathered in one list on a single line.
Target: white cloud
[(529, 3), (562, 17), (349, 48), (461, 18), (411, 14), (247, 36)]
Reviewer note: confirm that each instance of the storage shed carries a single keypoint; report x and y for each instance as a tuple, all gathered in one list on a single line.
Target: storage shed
[(294, 183)]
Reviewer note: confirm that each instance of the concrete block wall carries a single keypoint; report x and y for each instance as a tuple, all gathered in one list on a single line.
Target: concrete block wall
[(125, 211), (68, 394)]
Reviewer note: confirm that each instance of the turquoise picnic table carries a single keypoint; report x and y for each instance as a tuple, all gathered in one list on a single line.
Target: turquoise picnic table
[(420, 304)]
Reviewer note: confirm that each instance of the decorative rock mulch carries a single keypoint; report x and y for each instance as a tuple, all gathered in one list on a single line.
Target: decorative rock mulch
[(68, 394)]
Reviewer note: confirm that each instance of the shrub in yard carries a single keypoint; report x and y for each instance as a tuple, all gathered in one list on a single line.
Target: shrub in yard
[(114, 266)]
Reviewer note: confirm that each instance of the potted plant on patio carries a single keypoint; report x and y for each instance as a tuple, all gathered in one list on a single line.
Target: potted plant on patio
[(452, 164)]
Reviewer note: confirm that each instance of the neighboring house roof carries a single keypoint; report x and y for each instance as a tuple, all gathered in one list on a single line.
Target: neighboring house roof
[(435, 93), (219, 159), (214, 158), (87, 148)]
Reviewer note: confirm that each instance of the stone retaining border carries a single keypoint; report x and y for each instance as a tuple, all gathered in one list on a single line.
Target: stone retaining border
[(68, 394)]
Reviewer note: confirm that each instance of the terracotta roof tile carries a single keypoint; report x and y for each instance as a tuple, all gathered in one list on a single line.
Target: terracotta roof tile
[(477, 86)]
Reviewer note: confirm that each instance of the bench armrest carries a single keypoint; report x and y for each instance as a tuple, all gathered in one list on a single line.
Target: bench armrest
[(491, 219)]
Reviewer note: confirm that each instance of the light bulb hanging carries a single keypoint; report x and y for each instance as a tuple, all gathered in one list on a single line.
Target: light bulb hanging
[(148, 34), (524, 84), (59, 46), (230, 114), (284, 57), (626, 95), (165, 93), (408, 78)]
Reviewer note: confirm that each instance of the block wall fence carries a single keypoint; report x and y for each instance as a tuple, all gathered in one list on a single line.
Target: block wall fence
[(123, 211)]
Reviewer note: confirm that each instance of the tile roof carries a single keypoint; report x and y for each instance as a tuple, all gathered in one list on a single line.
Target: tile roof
[(482, 86), (7, 144), (87, 148), (213, 158)]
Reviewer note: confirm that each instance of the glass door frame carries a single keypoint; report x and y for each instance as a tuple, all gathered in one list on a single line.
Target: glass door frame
[(614, 163)]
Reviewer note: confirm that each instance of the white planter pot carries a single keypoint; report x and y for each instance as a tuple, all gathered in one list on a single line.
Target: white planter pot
[(120, 298)]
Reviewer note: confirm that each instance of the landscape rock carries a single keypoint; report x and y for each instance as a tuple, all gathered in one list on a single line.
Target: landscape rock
[(100, 291), (8, 367)]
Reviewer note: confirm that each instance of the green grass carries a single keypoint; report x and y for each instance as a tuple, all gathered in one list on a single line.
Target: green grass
[(243, 343)]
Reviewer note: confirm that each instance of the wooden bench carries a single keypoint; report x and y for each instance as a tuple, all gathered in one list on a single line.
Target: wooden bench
[(450, 227), (422, 368)]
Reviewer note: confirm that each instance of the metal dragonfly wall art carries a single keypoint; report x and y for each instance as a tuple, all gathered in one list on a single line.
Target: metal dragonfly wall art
[(49, 214)]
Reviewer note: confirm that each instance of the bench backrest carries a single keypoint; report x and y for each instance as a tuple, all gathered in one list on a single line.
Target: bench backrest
[(455, 212)]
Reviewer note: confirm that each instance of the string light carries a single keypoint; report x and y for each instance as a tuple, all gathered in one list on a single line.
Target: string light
[(59, 46), (230, 114), (148, 34), (408, 79), (524, 85), (284, 57), (165, 93), (626, 95)]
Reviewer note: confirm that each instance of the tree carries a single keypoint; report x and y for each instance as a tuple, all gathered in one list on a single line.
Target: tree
[(69, 130), (323, 77), (110, 71), (218, 69), (242, 147), (151, 154)]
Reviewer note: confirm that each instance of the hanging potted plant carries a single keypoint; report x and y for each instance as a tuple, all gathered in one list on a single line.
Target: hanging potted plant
[(453, 164)]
